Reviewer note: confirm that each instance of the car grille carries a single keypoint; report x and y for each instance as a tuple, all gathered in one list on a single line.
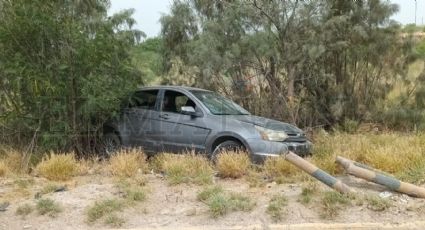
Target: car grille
[(295, 137)]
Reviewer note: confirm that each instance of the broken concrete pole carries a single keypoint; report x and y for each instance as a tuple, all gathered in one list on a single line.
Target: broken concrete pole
[(370, 174), (317, 173)]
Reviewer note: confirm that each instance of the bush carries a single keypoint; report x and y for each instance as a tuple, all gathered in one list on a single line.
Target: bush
[(58, 167), (232, 164), (127, 163), (184, 168)]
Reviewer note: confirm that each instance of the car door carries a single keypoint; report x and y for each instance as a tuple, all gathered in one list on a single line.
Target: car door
[(180, 132), (142, 117)]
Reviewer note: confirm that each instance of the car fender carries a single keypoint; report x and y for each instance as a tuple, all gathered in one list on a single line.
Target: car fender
[(212, 139)]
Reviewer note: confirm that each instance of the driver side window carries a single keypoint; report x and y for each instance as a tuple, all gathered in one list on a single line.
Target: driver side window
[(173, 101)]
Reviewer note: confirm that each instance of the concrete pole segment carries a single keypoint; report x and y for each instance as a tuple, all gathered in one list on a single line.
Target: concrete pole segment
[(317, 173), (370, 174)]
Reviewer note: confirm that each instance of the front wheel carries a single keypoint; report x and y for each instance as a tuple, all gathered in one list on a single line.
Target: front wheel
[(111, 144), (225, 147)]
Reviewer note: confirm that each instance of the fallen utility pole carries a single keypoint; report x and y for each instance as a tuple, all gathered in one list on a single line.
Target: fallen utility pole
[(371, 174), (317, 173)]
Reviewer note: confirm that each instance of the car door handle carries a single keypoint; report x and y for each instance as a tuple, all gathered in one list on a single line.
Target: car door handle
[(164, 116)]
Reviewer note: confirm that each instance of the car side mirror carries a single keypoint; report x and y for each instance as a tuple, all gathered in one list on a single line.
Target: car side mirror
[(189, 110)]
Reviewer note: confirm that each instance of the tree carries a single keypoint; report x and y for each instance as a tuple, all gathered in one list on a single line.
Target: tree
[(313, 63), (63, 67)]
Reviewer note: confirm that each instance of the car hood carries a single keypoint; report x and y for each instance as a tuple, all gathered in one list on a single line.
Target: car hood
[(268, 123)]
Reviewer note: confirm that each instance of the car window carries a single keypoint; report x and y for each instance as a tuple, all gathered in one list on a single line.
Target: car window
[(144, 99), (173, 101), (218, 104)]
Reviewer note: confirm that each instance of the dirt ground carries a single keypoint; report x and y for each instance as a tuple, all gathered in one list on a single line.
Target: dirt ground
[(177, 206)]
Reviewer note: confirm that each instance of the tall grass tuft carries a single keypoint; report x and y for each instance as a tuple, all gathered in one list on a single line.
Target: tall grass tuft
[(4, 169), (279, 170), (58, 167), (184, 168), (127, 163), (232, 164)]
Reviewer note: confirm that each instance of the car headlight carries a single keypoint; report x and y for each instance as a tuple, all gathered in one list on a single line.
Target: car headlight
[(271, 135)]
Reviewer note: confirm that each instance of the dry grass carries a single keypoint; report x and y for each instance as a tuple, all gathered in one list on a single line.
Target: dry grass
[(279, 170), (127, 163), (399, 154), (184, 168), (4, 169), (58, 167), (232, 164), (11, 161)]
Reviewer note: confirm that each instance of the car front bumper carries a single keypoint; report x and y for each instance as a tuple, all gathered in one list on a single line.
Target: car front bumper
[(261, 150)]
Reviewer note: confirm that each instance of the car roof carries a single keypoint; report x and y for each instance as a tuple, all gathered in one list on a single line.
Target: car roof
[(187, 88)]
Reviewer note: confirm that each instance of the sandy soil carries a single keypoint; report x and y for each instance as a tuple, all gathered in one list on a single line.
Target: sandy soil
[(177, 206)]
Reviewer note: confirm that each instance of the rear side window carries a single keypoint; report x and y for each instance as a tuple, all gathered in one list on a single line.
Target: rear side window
[(145, 99)]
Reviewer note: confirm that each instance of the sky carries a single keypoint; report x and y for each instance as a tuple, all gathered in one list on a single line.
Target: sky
[(148, 12)]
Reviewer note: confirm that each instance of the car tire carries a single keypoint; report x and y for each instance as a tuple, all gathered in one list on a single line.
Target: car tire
[(111, 144), (226, 146)]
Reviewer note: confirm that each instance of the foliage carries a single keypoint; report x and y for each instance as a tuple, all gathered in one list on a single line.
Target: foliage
[(321, 63), (64, 66)]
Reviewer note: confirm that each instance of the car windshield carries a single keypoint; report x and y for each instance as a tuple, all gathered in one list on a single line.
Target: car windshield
[(218, 104)]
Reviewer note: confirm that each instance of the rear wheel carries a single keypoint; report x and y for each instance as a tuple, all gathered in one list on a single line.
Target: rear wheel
[(111, 144), (226, 146)]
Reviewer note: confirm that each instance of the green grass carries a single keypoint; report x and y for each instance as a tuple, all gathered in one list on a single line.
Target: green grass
[(377, 203), (207, 193), (135, 195), (306, 195), (101, 208), (220, 202), (276, 207), (114, 221), (49, 207), (333, 203)]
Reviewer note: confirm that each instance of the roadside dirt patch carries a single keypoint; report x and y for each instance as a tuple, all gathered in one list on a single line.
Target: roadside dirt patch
[(178, 206)]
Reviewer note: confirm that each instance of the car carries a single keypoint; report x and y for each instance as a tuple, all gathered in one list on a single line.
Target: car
[(177, 119)]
